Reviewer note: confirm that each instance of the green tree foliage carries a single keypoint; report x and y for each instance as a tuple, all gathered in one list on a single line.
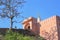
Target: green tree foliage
[(16, 36)]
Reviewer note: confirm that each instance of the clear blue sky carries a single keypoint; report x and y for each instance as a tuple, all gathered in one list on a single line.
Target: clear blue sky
[(45, 8)]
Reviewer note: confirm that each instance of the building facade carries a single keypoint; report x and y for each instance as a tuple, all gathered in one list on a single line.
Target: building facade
[(48, 28)]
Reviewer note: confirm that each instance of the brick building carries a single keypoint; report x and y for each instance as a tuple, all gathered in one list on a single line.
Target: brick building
[(48, 28)]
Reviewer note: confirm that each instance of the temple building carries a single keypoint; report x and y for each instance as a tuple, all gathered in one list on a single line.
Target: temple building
[(48, 28)]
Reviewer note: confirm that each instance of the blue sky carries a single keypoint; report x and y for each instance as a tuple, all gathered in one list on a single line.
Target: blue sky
[(45, 8)]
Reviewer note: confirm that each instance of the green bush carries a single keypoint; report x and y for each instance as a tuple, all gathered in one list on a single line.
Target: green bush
[(16, 36)]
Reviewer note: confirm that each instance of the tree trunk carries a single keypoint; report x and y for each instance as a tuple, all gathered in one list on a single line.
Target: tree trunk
[(11, 23)]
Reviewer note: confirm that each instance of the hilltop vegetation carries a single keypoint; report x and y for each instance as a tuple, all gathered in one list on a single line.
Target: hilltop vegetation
[(17, 36)]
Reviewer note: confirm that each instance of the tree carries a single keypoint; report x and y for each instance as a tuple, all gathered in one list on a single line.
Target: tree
[(8, 8)]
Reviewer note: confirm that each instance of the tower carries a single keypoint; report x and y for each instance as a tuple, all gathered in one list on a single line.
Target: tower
[(38, 19)]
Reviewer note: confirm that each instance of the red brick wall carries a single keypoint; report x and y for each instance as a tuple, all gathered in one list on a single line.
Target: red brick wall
[(48, 28)]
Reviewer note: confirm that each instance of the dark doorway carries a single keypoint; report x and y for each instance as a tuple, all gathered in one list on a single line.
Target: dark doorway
[(29, 27)]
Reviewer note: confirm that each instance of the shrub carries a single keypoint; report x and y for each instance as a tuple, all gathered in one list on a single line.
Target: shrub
[(17, 36)]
